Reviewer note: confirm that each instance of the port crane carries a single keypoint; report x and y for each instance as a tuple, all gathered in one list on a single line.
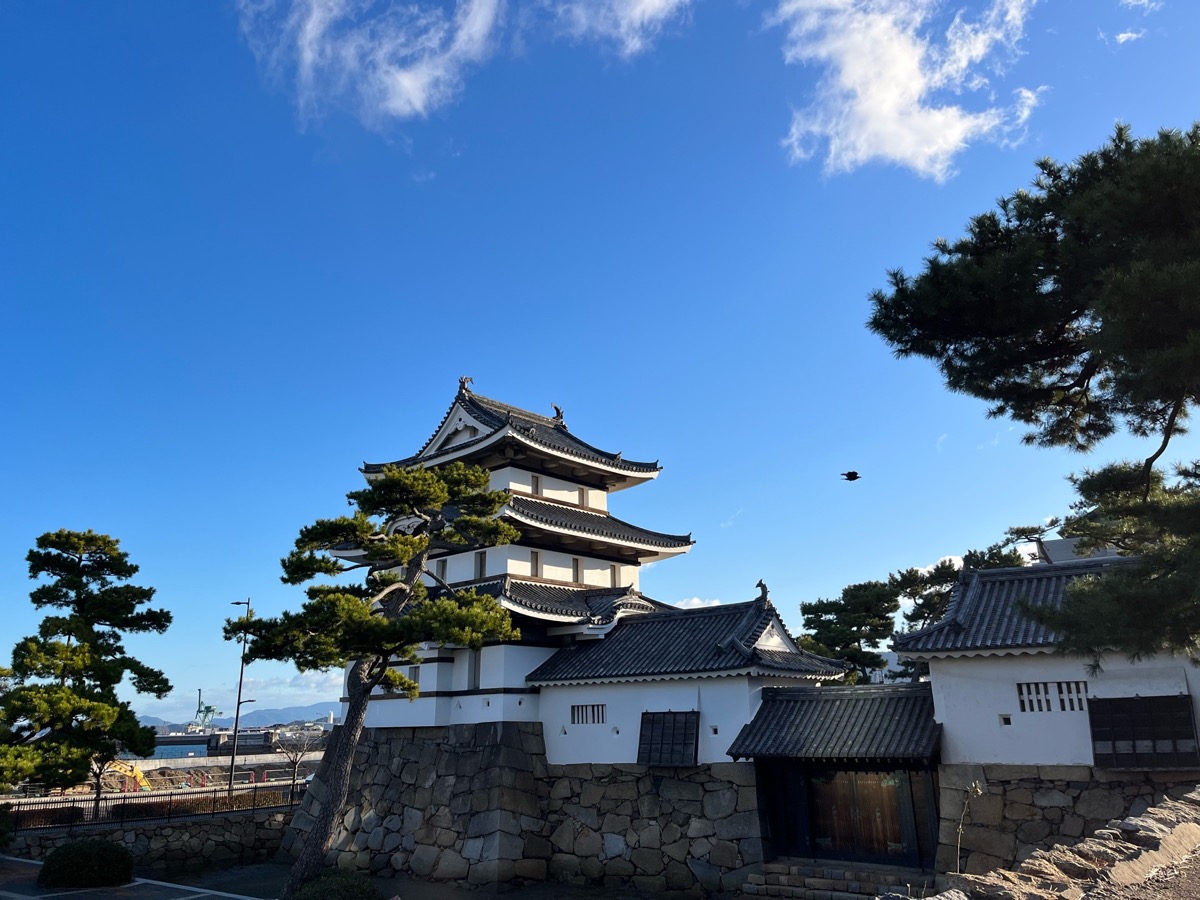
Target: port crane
[(204, 712)]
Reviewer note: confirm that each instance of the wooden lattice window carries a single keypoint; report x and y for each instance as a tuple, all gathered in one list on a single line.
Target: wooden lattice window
[(669, 739), (1144, 733), (1052, 696), (588, 714)]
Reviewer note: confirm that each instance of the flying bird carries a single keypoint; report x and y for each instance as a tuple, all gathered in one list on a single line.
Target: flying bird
[(851, 475)]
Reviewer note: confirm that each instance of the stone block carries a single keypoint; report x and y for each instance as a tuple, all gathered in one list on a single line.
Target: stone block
[(564, 865), (649, 806), (450, 867), (960, 777), (562, 789), (708, 875), (618, 868), (700, 828), (987, 809), (752, 851), (677, 850), (622, 790), (591, 794), (588, 843), (591, 868), (1051, 797), (673, 789), (423, 860), (564, 837), (613, 845), (1065, 773), (531, 869), (739, 773), (989, 841), (738, 826), (981, 863), (582, 814), (700, 848), (1100, 803), (1033, 831), (1009, 772), (651, 837), (537, 847), (649, 862), (723, 854), (501, 845), (614, 823), (492, 871), (483, 823), (720, 803), (1021, 811)]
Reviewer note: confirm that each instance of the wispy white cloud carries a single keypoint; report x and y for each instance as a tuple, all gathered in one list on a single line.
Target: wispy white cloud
[(941, 441), (390, 61), (887, 81), (1126, 36), (728, 523), (631, 24), (696, 603), (395, 61), (1146, 6)]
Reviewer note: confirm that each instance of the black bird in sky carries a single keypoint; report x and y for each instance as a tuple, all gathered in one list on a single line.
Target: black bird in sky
[(851, 475)]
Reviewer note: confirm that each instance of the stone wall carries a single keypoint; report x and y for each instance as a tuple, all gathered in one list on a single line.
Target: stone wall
[(479, 804), (1027, 808), (248, 837)]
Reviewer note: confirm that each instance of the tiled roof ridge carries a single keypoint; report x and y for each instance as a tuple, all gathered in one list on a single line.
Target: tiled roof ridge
[(504, 411), (698, 612), (918, 687), (661, 537)]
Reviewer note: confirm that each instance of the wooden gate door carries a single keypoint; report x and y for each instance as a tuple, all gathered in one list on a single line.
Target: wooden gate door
[(862, 815)]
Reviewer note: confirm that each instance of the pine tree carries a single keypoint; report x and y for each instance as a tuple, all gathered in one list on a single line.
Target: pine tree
[(850, 627), (374, 627), (61, 721)]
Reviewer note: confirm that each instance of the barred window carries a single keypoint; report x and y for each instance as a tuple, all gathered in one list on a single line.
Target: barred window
[(669, 739), (588, 714), (1052, 696), (1144, 733)]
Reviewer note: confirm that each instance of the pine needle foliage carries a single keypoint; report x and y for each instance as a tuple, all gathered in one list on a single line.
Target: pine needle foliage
[(373, 627)]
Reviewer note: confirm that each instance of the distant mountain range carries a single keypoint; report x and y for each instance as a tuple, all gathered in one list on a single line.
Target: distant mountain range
[(260, 718)]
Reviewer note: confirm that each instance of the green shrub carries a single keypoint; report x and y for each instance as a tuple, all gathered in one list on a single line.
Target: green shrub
[(91, 862), (339, 884)]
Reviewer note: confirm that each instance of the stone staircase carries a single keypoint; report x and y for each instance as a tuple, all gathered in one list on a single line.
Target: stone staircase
[(811, 879)]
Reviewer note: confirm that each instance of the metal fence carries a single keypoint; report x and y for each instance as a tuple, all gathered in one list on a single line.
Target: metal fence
[(70, 813)]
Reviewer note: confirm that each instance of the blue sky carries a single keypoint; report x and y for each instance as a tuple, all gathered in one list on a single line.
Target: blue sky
[(246, 246)]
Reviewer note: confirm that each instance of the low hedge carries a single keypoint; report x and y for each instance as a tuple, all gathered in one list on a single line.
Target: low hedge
[(87, 863)]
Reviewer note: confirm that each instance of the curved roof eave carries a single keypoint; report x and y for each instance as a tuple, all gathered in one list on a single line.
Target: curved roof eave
[(630, 471), (754, 671), (672, 545)]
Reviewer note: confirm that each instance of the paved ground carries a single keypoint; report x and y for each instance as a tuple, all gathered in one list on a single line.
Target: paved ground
[(18, 878)]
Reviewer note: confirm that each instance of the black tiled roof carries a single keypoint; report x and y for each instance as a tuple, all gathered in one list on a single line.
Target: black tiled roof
[(983, 613), (542, 430), (681, 642), (871, 723), (596, 605), (602, 525)]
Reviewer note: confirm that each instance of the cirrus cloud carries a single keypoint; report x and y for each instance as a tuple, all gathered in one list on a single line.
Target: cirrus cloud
[(893, 87)]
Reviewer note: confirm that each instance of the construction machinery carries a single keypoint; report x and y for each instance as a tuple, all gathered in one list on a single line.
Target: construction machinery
[(131, 773)]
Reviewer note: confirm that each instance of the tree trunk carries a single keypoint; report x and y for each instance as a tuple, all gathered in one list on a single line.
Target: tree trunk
[(339, 758)]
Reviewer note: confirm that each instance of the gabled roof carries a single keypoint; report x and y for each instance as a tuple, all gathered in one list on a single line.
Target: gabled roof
[(709, 641), (596, 606), (871, 723), (983, 615), (528, 427), (567, 518)]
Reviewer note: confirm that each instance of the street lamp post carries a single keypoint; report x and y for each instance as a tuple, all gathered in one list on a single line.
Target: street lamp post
[(237, 713)]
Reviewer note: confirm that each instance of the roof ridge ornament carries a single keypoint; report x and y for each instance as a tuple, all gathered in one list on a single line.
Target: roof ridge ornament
[(463, 381), (762, 586), (558, 417)]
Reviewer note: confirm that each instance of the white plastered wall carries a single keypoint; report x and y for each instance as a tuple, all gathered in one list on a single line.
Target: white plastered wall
[(971, 694), (552, 488), (725, 704)]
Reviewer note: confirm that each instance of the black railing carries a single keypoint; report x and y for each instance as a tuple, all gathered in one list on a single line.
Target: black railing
[(69, 813)]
